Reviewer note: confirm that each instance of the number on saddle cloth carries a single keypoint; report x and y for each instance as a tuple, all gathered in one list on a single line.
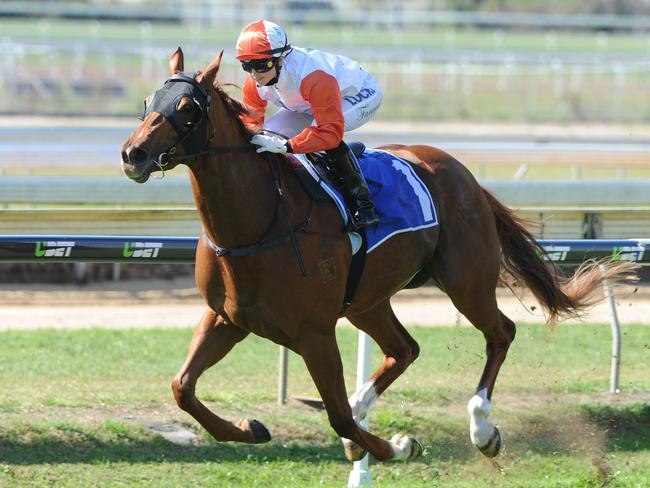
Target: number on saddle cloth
[(401, 198)]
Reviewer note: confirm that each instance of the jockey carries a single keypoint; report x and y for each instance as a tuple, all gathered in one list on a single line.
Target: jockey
[(320, 96)]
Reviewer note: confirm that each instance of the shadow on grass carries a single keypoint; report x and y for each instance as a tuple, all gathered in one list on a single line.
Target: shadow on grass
[(592, 430), (626, 427), (158, 450)]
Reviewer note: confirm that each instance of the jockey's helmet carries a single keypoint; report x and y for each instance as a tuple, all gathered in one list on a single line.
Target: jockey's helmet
[(260, 40)]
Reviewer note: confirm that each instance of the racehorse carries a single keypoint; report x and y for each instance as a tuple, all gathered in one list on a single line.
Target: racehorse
[(246, 263)]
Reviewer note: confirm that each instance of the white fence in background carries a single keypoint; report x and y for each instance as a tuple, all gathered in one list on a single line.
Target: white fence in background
[(451, 82), (403, 14)]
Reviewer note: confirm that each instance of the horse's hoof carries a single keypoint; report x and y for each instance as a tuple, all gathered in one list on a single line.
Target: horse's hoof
[(353, 451), (260, 433), (405, 448), (493, 446), (416, 448)]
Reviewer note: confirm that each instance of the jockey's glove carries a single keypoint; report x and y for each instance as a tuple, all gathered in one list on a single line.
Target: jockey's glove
[(274, 144)]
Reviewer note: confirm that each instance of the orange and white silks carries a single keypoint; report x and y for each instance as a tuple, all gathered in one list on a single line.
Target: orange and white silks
[(331, 94)]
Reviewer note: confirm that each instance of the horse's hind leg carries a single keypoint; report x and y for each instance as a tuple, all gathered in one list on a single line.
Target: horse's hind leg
[(470, 277), (213, 339), (321, 355), (400, 350), (479, 306)]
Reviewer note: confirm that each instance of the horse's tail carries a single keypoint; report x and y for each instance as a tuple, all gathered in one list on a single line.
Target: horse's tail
[(522, 257)]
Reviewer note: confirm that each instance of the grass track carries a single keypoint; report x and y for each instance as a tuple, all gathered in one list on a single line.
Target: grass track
[(69, 395)]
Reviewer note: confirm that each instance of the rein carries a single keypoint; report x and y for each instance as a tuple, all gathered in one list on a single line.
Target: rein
[(165, 157), (212, 150)]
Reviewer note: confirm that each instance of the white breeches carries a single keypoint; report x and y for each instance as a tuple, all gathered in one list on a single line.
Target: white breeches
[(357, 110)]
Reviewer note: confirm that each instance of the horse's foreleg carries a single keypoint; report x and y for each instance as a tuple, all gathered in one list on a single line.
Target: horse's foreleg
[(400, 350), (323, 360), (213, 339)]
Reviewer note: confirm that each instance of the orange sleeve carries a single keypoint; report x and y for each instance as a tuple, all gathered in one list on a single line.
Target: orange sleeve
[(323, 94), (255, 104)]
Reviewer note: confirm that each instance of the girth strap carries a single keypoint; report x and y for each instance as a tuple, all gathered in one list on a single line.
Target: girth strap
[(253, 248), (356, 270), (264, 244)]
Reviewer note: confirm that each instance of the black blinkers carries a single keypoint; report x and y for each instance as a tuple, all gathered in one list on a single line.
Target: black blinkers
[(165, 101)]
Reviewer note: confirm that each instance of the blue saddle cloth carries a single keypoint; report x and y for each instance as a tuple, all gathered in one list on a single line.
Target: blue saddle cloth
[(402, 202)]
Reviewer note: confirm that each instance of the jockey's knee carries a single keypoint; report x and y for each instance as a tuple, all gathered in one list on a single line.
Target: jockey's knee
[(183, 392), (337, 151)]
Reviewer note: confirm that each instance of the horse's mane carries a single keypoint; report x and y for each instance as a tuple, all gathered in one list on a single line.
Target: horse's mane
[(235, 108)]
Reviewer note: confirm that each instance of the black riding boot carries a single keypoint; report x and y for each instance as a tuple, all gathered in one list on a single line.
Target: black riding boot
[(355, 184)]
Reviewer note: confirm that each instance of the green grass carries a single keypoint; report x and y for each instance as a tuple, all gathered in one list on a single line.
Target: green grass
[(315, 35), (71, 398)]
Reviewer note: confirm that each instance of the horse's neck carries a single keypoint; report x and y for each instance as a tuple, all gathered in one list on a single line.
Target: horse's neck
[(233, 192)]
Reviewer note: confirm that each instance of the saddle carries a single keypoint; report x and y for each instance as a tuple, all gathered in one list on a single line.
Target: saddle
[(326, 171)]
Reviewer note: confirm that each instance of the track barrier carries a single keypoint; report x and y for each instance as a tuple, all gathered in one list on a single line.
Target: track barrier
[(153, 249)]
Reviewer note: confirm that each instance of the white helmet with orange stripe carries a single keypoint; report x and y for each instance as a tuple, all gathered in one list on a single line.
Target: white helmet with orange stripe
[(260, 40)]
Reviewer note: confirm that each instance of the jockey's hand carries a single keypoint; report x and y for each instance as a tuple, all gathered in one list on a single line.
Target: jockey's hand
[(274, 144)]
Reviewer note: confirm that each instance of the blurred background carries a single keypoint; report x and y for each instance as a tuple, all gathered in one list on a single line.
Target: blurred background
[(520, 91), (468, 60)]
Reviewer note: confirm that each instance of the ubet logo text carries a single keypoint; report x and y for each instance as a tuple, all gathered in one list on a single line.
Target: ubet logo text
[(53, 249), (556, 253), (142, 249), (628, 253)]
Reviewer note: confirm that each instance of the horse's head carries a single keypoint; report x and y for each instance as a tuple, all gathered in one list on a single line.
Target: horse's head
[(174, 123)]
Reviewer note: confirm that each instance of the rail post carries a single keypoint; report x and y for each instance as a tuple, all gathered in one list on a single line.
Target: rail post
[(282, 375), (360, 475), (616, 340)]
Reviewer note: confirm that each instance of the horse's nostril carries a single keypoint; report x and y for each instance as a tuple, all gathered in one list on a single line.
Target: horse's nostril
[(125, 157), (137, 155)]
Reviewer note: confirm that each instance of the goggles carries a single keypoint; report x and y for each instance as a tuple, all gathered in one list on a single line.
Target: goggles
[(259, 65)]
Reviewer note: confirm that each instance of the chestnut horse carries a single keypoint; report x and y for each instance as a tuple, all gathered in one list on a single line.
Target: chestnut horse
[(247, 202)]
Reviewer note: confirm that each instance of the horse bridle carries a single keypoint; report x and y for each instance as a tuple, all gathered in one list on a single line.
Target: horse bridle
[(192, 136)]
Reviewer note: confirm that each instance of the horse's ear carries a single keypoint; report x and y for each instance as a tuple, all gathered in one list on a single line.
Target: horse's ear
[(210, 72), (176, 62)]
